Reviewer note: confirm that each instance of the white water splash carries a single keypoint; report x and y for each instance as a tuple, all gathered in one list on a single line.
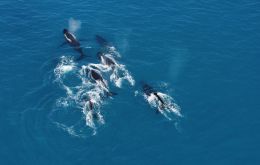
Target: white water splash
[(69, 129), (119, 72), (66, 65), (78, 96), (112, 50), (168, 108)]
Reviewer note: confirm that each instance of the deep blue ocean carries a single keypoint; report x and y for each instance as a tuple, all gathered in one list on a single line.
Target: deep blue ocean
[(204, 54)]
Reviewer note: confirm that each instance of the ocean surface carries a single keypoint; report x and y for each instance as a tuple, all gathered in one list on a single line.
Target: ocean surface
[(204, 55)]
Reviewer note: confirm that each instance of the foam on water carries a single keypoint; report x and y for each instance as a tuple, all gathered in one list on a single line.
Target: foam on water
[(111, 50), (78, 96), (88, 93), (69, 129), (167, 109), (65, 65), (119, 73)]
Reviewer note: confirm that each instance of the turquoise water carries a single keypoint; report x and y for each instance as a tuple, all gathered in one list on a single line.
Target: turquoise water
[(204, 54)]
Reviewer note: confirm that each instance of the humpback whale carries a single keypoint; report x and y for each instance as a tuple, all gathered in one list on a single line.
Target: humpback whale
[(90, 104), (107, 46), (95, 75), (106, 60), (73, 42), (150, 92)]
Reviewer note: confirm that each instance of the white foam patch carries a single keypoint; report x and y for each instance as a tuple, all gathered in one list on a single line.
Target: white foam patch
[(62, 102), (65, 66), (118, 75), (95, 95), (77, 97), (112, 50), (69, 129), (90, 120), (170, 107), (119, 72), (100, 67)]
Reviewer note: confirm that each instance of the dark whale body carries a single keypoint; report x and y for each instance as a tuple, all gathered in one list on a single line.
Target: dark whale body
[(73, 42)]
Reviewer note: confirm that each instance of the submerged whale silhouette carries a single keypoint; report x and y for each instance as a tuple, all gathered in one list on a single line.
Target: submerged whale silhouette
[(101, 41)]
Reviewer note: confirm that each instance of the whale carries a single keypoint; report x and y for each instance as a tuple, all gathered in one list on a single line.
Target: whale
[(95, 75), (107, 47), (94, 114), (106, 60), (73, 42), (151, 92)]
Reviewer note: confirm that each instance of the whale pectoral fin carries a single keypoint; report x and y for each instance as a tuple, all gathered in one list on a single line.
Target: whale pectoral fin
[(64, 43)]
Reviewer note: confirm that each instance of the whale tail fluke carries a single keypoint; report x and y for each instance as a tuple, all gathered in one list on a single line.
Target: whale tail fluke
[(82, 55)]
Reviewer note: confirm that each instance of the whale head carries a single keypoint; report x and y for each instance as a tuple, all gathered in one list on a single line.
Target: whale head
[(65, 31)]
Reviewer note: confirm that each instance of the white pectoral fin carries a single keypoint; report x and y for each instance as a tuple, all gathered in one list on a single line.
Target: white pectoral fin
[(67, 38), (151, 97)]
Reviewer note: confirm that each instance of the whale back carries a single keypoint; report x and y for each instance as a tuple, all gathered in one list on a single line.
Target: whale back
[(101, 41)]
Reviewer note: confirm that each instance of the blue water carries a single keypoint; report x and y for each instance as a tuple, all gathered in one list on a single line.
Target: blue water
[(206, 52)]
